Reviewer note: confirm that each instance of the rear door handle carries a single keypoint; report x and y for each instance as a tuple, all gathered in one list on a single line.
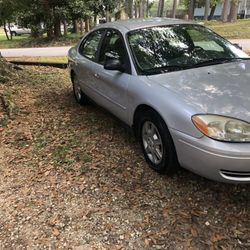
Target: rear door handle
[(97, 75)]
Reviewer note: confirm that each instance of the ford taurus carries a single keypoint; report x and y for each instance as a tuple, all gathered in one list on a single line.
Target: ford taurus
[(183, 89)]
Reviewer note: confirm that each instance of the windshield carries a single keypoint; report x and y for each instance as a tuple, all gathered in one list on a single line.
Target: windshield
[(176, 47)]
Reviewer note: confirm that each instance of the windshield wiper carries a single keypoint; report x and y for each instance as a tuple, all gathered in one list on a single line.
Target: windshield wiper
[(171, 68), (244, 58), (214, 61), (164, 69)]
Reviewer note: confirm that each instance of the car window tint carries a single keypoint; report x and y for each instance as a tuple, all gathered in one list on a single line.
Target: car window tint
[(89, 46), (113, 47)]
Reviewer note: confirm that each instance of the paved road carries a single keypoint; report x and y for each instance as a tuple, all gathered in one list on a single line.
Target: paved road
[(62, 51), (34, 52)]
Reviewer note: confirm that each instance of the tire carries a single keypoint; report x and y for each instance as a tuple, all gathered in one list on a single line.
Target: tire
[(156, 142), (80, 97), (13, 33)]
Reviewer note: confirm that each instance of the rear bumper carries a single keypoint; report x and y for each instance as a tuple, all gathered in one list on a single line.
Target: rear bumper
[(220, 161)]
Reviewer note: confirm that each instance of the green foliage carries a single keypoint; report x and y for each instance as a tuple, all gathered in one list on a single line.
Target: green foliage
[(77, 9), (7, 11), (98, 7), (47, 15)]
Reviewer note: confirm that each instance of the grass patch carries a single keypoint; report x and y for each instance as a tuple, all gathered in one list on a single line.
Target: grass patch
[(60, 154), (56, 59), (237, 30), (16, 42), (41, 141), (25, 41)]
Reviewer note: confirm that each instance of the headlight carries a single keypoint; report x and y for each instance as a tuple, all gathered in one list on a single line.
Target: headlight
[(223, 128)]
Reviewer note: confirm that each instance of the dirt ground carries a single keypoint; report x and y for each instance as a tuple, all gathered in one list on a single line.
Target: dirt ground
[(74, 177)]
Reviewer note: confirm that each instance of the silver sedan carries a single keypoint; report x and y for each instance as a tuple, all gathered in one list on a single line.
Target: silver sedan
[(183, 89)]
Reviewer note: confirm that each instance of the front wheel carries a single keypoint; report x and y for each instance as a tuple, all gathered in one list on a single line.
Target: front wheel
[(157, 144), (80, 97)]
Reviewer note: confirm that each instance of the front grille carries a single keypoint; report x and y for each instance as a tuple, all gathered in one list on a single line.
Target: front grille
[(232, 175)]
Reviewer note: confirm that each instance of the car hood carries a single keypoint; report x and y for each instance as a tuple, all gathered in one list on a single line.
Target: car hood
[(222, 89)]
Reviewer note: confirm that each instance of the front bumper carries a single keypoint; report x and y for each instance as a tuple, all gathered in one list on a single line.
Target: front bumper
[(220, 161)]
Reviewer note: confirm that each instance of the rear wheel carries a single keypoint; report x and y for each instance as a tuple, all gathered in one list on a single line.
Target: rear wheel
[(80, 97), (156, 142)]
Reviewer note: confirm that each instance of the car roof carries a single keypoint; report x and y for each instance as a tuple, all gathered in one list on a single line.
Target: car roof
[(133, 24)]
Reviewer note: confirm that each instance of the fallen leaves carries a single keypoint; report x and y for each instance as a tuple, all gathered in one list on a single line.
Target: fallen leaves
[(218, 237), (73, 176), (194, 232)]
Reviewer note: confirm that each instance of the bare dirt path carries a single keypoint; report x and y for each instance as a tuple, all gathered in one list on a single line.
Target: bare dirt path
[(74, 177)]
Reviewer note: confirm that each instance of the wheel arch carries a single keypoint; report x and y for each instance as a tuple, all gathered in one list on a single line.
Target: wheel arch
[(138, 111), (136, 121), (72, 75)]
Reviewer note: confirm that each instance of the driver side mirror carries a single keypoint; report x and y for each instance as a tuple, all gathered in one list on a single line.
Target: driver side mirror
[(114, 64)]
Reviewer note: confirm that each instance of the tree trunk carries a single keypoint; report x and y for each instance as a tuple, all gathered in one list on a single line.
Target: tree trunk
[(136, 9), (212, 11), (207, 5), (175, 4), (11, 35), (130, 9), (141, 8), (160, 8), (65, 28), (81, 26), (57, 28), (144, 8), (233, 11), (75, 27), (95, 19), (6, 33), (230, 15), (50, 33), (147, 8), (49, 17), (224, 13), (5, 30), (191, 9), (108, 19), (87, 24)]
